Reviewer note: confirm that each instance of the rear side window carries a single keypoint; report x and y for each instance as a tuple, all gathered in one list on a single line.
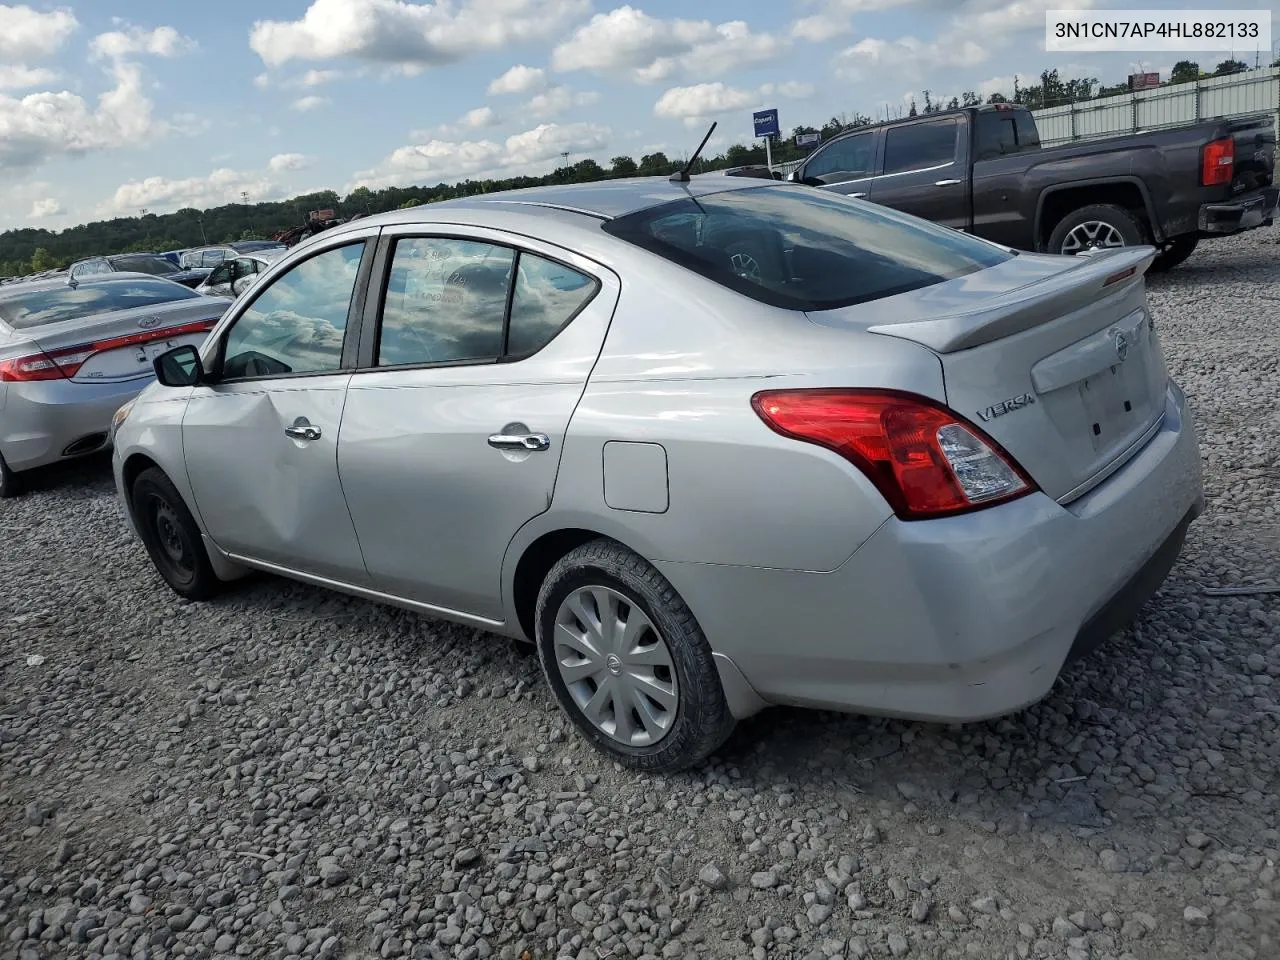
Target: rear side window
[(453, 301), (844, 159), (41, 307), (1003, 132), (920, 145), (804, 249)]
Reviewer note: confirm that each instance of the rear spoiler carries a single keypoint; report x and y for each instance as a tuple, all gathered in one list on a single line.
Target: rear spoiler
[(1095, 275)]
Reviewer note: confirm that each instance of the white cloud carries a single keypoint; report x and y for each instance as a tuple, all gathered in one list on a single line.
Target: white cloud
[(14, 77), (160, 42), (159, 194), (27, 34), (529, 152), (314, 78), (479, 118), (288, 161), (558, 99), (408, 33), (303, 104), (704, 100), (627, 40), (48, 207), (262, 81), (820, 27), (40, 125), (905, 58), (519, 79)]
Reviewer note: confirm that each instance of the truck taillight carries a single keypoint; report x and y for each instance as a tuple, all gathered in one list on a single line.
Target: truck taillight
[(923, 458), (1218, 161)]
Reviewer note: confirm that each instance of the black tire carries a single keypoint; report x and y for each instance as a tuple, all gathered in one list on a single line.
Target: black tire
[(171, 536), (10, 485), (1175, 252), (1132, 231), (702, 718)]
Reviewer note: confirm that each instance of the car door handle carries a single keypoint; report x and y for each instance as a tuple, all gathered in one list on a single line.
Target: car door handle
[(946, 183), (301, 429), (858, 196), (520, 441)]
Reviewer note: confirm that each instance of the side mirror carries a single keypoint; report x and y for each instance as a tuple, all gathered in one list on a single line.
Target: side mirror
[(794, 176), (179, 367)]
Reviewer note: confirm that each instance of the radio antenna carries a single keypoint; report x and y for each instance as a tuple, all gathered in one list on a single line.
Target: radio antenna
[(682, 176)]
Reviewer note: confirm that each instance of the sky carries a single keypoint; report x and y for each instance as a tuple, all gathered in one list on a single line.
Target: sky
[(111, 107)]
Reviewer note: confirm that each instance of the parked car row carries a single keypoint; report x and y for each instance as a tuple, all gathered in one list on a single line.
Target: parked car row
[(706, 445)]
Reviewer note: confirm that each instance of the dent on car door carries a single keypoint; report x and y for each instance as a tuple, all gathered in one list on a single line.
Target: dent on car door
[(261, 440), (454, 425)]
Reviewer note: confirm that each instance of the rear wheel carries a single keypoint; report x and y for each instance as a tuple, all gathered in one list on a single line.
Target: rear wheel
[(10, 486), (171, 536), (628, 662), (1175, 252), (1097, 226)]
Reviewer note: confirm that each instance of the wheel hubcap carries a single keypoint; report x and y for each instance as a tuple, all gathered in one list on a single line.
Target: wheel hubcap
[(1091, 235), (616, 666), (170, 537)]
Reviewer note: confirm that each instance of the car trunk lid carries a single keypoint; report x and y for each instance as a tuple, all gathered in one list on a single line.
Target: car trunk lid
[(121, 344), (1058, 363)]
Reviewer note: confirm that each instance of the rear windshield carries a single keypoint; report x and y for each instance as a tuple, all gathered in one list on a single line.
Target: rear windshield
[(803, 248), (40, 307), (153, 265)]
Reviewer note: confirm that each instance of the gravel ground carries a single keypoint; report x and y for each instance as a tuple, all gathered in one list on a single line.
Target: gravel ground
[(289, 773)]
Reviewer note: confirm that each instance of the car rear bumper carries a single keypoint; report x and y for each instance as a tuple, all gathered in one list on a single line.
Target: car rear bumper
[(965, 617), (1244, 213), (50, 420)]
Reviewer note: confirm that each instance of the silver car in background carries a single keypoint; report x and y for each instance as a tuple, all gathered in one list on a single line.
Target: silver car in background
[(72, 352), (709, 445), (234, 275)]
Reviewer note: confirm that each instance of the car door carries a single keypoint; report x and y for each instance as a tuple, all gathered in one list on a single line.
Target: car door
[(261, 440), (472, 360), (845, 165), (218, 283), (925, 171)]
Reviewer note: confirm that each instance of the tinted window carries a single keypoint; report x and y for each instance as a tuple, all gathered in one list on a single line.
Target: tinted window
[(244, 267), (221, 274), (157, 266), (446, 300), (845, 159), (547, 296), (1002, 132), (920, 145), (804, 249), (69, 303), (297, 323)]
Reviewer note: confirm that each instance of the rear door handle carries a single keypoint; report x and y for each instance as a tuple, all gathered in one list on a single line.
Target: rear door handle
[(858, 196), (520, 441), (302, 429), (946, 183)]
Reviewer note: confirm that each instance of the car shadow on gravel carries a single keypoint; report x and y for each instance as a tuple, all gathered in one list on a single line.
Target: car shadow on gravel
[(83, 475)]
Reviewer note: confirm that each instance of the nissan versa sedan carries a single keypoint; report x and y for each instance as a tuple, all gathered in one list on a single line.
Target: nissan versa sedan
[(709, 445), (71, 352)]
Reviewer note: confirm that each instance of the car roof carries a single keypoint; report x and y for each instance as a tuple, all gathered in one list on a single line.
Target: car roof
[(61, 282), (603, 199)]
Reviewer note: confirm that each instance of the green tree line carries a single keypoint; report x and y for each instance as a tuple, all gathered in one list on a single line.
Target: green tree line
[(28, 250)]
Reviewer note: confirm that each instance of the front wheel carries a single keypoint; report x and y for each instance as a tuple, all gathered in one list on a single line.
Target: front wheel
[(628, 662), (1097, 226), (171, 536)]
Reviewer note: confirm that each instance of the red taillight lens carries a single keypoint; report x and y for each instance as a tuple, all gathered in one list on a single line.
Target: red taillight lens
[(66, 363), (1217, 162), (924, 460)]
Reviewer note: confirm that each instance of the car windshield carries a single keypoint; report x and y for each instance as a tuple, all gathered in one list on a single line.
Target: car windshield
[(41, 307), (158, 266), (804, 249)]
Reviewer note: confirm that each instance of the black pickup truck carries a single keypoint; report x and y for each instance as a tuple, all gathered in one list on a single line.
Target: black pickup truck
[(983, 170)]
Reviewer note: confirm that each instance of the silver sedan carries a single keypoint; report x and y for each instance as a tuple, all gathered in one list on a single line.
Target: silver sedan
[(72, 351), (709, 445)]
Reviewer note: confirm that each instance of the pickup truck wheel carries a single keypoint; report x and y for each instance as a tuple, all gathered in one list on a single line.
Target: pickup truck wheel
[(1175, 252), (1099, 225)]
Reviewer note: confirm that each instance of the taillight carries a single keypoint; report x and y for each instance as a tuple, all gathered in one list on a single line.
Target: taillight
[(66, 362), (924, 459), (1217, 162)]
